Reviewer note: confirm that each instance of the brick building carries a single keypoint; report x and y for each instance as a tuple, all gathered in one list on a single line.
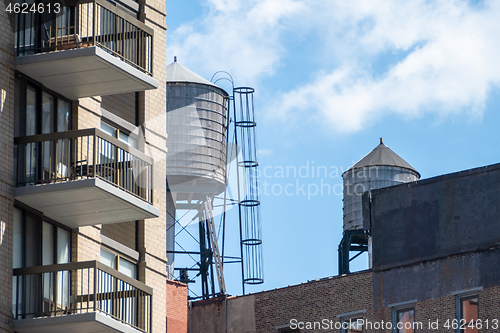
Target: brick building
[(82, 173), (177, 311), (435, 268)]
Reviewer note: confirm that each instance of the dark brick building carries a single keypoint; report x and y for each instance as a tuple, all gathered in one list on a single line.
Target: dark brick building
[(436, 268)]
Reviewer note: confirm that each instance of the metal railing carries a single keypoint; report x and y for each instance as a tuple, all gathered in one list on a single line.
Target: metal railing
[(81, 287), (83, 24), (83, 154)]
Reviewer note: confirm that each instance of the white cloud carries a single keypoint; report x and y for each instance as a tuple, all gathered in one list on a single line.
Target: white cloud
[(380, 57), (241, 37), (264, 152), (448, 64)]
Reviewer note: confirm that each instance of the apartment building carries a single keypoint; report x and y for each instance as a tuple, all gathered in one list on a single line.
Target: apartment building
[(82, 179)]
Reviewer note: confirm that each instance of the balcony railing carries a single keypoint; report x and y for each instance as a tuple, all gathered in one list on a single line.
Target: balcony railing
[(81, 287), (83, 154), (86, 23)]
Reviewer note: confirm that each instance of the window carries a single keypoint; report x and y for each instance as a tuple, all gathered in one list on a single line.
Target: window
[(37, 32), (125, 308), (121, 134), (404, 320), (119, 263), (110, 155), (39, 242), (352, 325), (467, 313), (38, 111)]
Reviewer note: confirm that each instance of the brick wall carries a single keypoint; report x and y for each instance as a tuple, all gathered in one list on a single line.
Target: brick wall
[(176, 307), (438, 309), (489, 307), (317, 301), (86, 243), (152, 232), (314, 301), (89, 113), (123, 233), (6, 164), (328, 299)]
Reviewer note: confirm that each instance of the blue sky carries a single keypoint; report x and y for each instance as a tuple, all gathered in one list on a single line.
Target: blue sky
[(331, 78)]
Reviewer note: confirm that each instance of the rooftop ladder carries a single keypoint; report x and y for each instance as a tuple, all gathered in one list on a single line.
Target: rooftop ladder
[(215, 246)]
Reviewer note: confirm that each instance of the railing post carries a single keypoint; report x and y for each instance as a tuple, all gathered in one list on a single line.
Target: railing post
[(151, 313), (56, 165), (16, 172), (74, 155), (94, 26), (17, 297), (149, 40), (96, 270), (78, 23), (151, 178), (94, 162), (116, 173), (56, 294)]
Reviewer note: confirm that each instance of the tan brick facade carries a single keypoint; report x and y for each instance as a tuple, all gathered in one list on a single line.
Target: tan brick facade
[(152, 232), (150, 240), (6, 165), (124, 233)]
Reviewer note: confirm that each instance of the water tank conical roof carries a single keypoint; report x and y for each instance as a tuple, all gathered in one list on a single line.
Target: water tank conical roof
[(178, 73), (383, 156), (380, 168)]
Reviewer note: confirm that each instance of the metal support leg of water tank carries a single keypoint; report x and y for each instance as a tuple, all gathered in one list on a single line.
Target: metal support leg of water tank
[(355, 241)]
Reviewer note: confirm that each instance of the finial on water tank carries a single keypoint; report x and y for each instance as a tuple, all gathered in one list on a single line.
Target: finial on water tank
[(175, 58), (381, 141)]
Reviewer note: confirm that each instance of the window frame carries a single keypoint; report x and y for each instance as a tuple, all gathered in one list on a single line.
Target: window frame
[(25, 171), (459, 298), (395, 315), (118, 257), (40, 218), (121, 127), (20, 249), (353, 319), (22, 83), (286, 329)]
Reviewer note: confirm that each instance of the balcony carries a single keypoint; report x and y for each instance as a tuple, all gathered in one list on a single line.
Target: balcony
[(89, 48), (79, 297), (84, 177)]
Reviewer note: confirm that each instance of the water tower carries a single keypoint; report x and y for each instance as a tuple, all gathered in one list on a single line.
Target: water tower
[(196, 129), (196, 164), (197, 161), (380, 168)]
